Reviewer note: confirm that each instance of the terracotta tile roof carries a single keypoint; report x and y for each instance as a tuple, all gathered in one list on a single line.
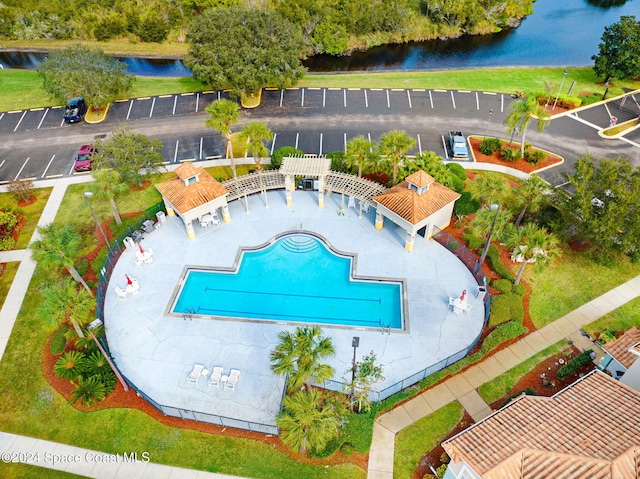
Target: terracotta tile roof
[(619, 348), (588, 430), (420, 179), (185, 198), (411, 206)]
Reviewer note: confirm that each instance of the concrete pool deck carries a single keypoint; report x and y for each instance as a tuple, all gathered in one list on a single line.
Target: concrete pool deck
[(157, 352)]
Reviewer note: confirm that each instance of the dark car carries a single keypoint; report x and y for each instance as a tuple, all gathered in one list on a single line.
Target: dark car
[(75, 110), (84, 158)]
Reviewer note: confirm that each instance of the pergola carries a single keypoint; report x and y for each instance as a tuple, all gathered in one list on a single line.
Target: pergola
[(308, 166), (192, 194)]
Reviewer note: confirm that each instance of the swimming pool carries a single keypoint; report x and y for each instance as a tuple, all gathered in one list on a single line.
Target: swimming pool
[(295, 278)]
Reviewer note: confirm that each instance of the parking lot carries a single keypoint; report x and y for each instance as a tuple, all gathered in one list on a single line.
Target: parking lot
[(37, 144)]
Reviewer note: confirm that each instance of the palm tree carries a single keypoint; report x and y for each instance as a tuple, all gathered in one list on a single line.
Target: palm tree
[(393, 146), (532, 243), (222, 115), (58, 247), (63, 302), (256, 133), (107, 186), (360, 153), (308, 421), (70, 365), (522, 111), (430, 163), (484, 220), (89, 390), (298, 356), (489, 188), (531, 195)]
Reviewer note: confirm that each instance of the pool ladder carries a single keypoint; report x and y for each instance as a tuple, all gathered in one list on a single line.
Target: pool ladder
[(385, 328), (187, 314)]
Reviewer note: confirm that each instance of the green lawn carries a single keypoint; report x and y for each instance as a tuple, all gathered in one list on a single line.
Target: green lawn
[(582, 280), (422, 436), (29, 471), (623, 318), (32, 213), (500, 386), (6, 279)]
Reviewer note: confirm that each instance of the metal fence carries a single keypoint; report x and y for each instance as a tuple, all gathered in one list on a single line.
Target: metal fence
[(103, 282)]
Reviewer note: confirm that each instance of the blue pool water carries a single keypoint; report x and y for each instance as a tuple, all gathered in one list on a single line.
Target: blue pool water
[(295, 279)]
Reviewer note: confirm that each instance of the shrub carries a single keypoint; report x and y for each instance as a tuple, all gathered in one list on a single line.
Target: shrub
[(506, 307), (511, 154), (574, 364), (21, 190), (473, 240), (59, 340), (490, 145), (154, 29), (82, 266), (453, 246), (527, 391), (70, 365), (456, 184), (279, 153), (98, 261), (506, 286), (337, 161), (493, 256), (357, 432), (347, 449), (457, 170), (109, 27), (534, 157), (466, 205)]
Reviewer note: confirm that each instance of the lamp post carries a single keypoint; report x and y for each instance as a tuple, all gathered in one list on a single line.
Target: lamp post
[(355, 342), (559, 90), (486, 128), (92, 326), (493, 207), (87, 195)]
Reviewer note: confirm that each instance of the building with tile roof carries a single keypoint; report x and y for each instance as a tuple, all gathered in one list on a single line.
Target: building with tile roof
[(419, 202), (588, 430), (621, 359), (193, 194)]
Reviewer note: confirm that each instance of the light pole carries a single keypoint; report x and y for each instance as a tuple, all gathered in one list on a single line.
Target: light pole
[(355, 342), (87, 195), (493, 207), (92, 326), (488, 122), (559, 90)]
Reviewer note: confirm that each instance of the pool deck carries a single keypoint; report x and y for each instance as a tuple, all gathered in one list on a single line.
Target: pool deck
[(157, 352)]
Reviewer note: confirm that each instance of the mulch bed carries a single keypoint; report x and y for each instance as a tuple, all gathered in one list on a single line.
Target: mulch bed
[(520, 165)]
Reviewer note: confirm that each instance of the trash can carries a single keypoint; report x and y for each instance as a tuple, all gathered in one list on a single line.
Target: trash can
[(161, 217), (482, 292)]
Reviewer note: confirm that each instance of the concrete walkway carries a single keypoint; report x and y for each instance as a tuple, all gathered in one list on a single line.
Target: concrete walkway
[(462, 387)]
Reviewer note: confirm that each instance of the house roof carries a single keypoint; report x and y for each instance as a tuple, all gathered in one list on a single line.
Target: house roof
[(619, 348), (185, 198), (414, 207), (589, 429)]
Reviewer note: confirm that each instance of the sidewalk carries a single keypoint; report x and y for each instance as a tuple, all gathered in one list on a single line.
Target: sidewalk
[(462, 387)]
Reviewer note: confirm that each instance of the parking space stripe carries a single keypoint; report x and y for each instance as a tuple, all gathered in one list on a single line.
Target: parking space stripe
[(200, 154), (388, 101), (281, 96), (501, 103), (153, 104), (187, 94), (209, 92), (273, 144), (453, 100), (431, 99), (71, 171), (2, 163), (396, 89), (165, 96), (43, 117), (419, 144), (22, 168), (48, 165), (187, 160), (302, 100), (197, 102), (15, 111), (324, 97), (477, 101), (418, 89), (444, 145), (297, 136), (36, 109), (366, 100), (175, 103), (440, 91), (345, 142), (218, 95), (409, 98), (271, 88), (175, 154), (123, 100), (344, 95), (293, 88), (320, 154), (129, 110), (376, 89), (489, 93), (213, 157), (20, 120), (464, 91), (314, 88), (1, 116), (369, 137), (144, 98), (335, 89)]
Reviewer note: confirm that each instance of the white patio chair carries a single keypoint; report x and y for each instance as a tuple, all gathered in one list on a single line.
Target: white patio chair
[(195, 374), (352, 202), (365, 206), (122, 294), (216, 374), (234, 376)]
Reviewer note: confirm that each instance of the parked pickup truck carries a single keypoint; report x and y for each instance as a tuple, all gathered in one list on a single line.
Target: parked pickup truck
[(458, 145)]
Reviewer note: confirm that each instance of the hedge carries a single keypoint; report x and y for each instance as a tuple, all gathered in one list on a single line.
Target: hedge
[(457, 170), (59, 340), (574, 364), (506, 307), (466, 205), (506, 286), (527, 391), (279, 153), (473, 241), (493, 256)]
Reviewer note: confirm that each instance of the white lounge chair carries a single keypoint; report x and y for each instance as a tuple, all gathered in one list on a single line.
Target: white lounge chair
[(216, 375), (234, 376), (352, 202), (365, 206), (195, 374), (122, 294)]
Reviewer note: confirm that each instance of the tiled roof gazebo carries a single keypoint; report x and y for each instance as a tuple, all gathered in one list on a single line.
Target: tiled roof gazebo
[(192, 194), (417, 202)]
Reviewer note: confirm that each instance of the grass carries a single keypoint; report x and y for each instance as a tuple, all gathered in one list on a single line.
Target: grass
[(582, 280), (422, 436), (621, 319), (31, 212), (23, 88), (500, 386), (6, 278), (16, 470)]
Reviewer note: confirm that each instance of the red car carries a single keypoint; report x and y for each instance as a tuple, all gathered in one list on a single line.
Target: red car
[(83, 158)]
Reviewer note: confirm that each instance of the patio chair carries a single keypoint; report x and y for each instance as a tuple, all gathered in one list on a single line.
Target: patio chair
[(352, 202), (365, 206), (234, 376), (122, 294), (214, 380), (195, 374)]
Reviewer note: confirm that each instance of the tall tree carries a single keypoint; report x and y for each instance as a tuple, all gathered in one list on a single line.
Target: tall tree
[(298, 356), (360, 153), (309, 420), (360, 382), (58, 247), (133, 155), (86, 72), (256, 133), (531, 243), (619, 50), (63, 302), (489, 188), (393, 146), (520, 115), (431, 163), (244, 49), (108, 186), (223, 114), (483, 222), (530, 196)]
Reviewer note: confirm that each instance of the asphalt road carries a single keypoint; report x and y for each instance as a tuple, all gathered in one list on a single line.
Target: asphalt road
[(37, 144)]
